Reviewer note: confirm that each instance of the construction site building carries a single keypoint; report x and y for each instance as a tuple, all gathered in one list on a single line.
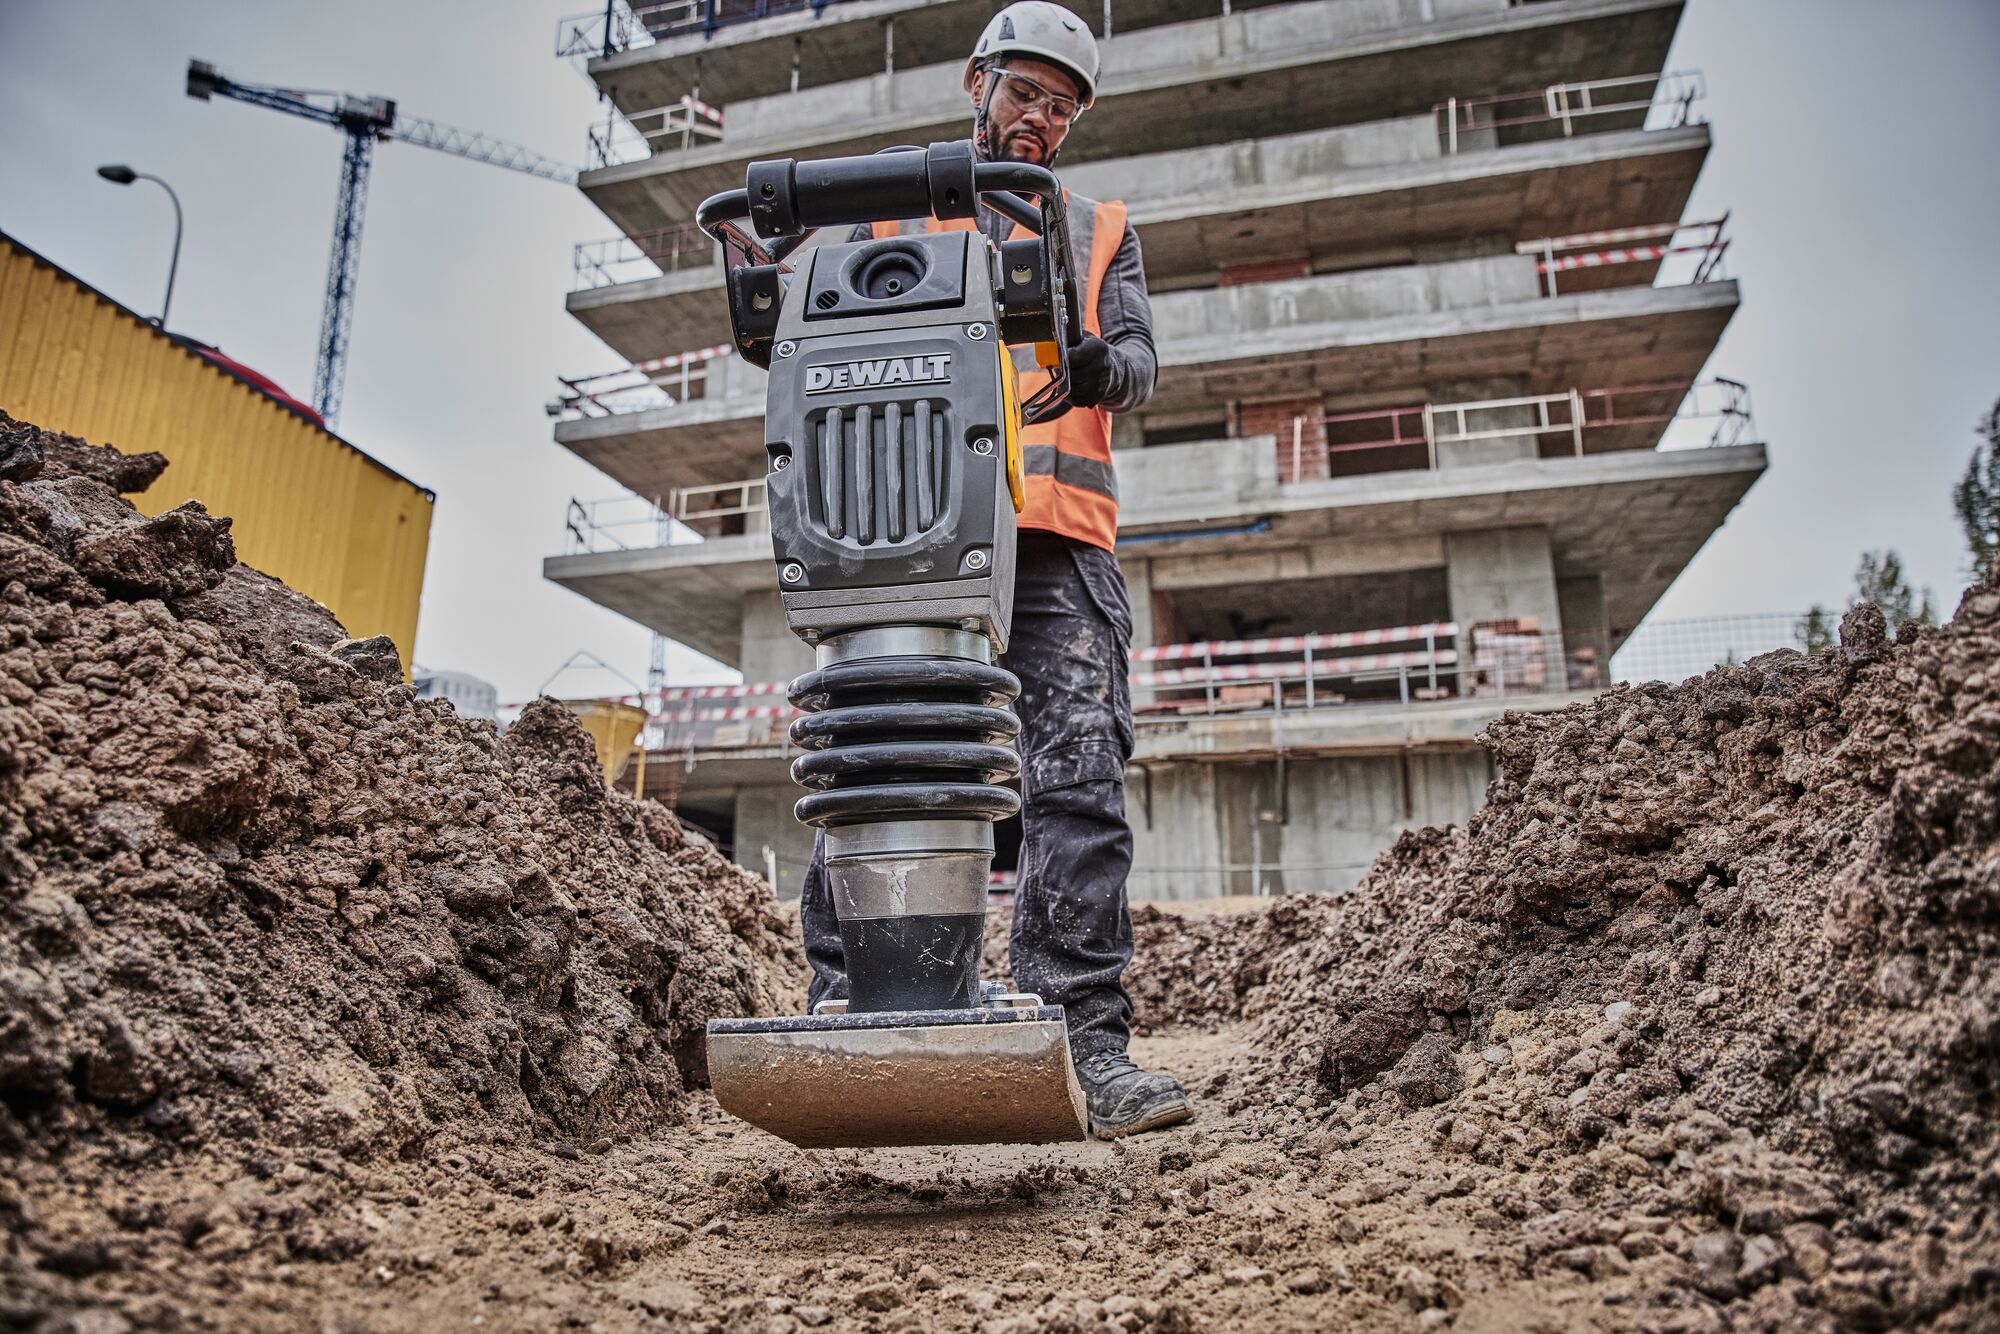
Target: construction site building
[(1431, 437)]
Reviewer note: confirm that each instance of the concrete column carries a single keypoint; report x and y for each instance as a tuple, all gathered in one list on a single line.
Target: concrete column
[(1586, 632), (1486, 423), (764, 821), (1139, 583), (1127, 431), (1499, 580), (771, 652)]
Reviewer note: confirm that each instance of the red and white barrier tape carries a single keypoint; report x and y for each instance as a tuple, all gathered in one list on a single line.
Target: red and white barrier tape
[(723, 692), (1600, 258), (699, 354), (1610, 236), (594, 384), (726, 715)]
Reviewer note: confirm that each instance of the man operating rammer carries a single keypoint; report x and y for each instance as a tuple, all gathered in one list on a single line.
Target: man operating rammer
[(1032, 75)]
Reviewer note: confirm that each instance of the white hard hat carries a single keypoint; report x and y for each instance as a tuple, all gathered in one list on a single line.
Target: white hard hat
[(1040, 31)]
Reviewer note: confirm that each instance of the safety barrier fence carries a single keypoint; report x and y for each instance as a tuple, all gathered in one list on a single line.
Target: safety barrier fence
[(660, 383), (1504, 658), (1411, 437), (1173, 683), (639, 523), (1675, 649), (1651, 101), (1233, 676), (1687, 252), (628, 136), (623, 259), (615, 523), (718, 501), (620, 26)]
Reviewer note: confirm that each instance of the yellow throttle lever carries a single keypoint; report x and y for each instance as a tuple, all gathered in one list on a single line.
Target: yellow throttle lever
[(1010, 408)]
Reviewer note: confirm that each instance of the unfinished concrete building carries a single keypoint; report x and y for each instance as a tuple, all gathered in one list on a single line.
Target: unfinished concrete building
[(1431, 435)]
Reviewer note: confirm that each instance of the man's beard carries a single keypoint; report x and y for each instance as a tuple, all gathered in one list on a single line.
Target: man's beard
[(1022, 145)]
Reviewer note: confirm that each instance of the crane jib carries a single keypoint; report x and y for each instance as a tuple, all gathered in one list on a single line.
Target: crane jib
[(364, 120)]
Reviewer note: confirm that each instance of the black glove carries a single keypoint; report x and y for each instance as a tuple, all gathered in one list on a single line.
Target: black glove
[(1090, 368)]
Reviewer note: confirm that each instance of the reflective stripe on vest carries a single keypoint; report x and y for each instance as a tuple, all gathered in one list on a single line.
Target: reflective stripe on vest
[(1072, 486)]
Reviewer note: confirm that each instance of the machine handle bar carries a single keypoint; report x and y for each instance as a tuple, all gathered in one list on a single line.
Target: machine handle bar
[(787, 200)]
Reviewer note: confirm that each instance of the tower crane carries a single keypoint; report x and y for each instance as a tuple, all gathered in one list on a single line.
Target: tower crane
[(364, 120)]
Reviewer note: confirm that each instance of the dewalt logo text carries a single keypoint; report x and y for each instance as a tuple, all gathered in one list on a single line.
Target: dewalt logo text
[(885, 371)]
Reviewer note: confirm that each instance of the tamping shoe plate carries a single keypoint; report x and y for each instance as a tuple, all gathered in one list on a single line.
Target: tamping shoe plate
[(909, 1077)]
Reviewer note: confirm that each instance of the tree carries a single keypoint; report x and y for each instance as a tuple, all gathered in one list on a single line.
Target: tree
[(1878, 579), (1977, 497), (1817, 631)]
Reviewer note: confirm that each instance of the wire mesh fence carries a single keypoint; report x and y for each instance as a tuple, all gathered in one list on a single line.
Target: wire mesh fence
[(1675, 650)]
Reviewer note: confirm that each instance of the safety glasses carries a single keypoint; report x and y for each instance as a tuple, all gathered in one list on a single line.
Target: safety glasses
[(1025, 95)]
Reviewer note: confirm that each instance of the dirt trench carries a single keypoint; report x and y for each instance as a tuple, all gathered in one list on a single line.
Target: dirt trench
[(321, 1008)]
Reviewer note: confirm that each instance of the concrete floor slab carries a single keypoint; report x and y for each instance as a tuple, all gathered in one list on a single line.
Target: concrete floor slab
[(844, 41), (1583, 340), (1634, 519), (1202, 82), (1265, 197)]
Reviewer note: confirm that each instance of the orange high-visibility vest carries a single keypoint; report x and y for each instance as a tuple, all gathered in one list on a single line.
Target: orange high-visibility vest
[(1071, 487)]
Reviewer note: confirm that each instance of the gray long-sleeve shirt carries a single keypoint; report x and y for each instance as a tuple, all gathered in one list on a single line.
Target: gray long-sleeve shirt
[(1124, 313)]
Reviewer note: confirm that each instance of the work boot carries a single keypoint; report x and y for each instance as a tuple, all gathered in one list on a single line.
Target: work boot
[(1125, 1100)]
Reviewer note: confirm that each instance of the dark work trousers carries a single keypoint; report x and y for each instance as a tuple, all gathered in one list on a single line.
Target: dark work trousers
[(1072, 933)]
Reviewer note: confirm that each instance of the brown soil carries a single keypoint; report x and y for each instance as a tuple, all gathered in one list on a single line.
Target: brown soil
[(322, 1009)]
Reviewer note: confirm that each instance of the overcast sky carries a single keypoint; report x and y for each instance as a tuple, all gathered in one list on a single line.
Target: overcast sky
[(1855, 149)]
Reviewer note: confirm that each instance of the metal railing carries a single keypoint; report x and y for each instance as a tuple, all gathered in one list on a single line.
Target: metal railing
[(659, 383), (1694, 249), (615, 523), (1659, 101), (1707, 414), (637, 523), (621, 259), (630, 136), (1495, 660), (620, 26), (1249, 675), (1490, 660), (719, 501), (1721, 406)]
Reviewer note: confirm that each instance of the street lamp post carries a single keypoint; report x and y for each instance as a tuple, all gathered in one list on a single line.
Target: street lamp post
[(123, 175)]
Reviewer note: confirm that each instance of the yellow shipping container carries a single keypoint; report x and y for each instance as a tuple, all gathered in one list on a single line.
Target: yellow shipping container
[(309, 508)]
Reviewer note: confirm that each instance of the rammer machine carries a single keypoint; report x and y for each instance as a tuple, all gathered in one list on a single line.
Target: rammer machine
[(892, 438)]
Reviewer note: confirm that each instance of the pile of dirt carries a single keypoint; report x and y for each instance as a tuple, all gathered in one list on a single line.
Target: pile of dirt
[(1200, 970), (1710, 988), (254, 894)]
